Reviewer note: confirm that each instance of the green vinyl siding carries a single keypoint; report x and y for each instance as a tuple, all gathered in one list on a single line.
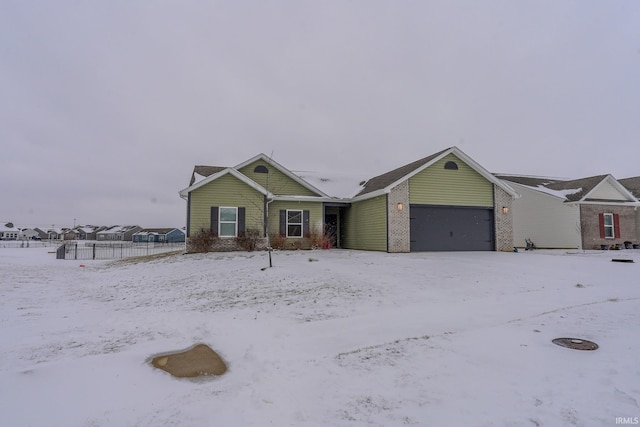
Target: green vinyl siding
[(366, 225), (439, 186), (275, 181), (314, 208), (225, 191)]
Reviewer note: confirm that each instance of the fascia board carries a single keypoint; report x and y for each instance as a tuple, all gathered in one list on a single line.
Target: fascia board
[(308, 199), (282, 169)]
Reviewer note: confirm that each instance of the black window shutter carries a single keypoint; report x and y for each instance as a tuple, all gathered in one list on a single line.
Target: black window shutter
[(241, 223), (283, 222), (305, 224), (214, 220)]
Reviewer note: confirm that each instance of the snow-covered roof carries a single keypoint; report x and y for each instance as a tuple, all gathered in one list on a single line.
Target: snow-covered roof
[(4, 228), (342, 185)]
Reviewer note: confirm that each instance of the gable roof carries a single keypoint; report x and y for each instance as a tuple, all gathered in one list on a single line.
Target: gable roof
[(211, 173), (183, 193), (382, 184), (632, 184), (282, 169), (572, 190)]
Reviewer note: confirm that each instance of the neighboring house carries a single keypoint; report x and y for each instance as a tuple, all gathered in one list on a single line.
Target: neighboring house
[(41, 233), (443, 202), (28, 234), (84, 232), (159, 235), (8, 232), (446, 201), (118, 233), (633, 185), (258, 195), (586, 213), (54, 233)]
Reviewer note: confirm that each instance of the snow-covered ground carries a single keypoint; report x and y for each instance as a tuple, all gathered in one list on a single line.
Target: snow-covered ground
[(335, 338)]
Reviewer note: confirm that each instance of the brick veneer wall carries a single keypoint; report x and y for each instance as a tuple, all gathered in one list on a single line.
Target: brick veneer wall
[(503, 222), (590, 225), (398, 220)]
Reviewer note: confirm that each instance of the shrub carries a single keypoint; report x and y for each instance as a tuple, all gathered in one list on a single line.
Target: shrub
[(278, 241), (320, 240), (202, 241), (249, 239)]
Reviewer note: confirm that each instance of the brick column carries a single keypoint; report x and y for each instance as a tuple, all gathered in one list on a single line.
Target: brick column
[(503, 222), (398, 220)]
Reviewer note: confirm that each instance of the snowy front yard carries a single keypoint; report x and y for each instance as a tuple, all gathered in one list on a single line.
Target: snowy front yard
[(336, 338)]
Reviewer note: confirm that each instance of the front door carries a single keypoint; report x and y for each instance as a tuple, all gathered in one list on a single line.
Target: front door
[(331, 229)]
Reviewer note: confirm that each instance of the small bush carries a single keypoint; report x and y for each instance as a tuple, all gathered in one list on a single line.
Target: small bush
[(278, 241), (319, 240), (249, 239), (202, 241)]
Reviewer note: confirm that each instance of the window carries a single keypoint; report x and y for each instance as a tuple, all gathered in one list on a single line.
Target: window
[(294, 223), (451, 165), (609, 232), (228, 222), (261, 169)]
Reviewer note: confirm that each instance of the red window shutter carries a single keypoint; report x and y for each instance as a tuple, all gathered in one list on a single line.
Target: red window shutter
[(601, 219), (616, 225)]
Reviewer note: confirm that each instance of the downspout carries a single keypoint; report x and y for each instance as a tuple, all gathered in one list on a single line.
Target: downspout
[(266, 227)]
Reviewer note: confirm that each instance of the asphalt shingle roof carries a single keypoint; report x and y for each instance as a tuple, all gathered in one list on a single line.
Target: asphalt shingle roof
[(204, 171), (632, 184), (382, 181), (585, 185)]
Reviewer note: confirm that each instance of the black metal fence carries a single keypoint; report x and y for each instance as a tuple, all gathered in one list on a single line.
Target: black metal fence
[(88, 251)]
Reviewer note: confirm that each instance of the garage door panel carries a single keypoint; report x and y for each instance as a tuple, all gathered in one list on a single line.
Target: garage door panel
[(447, 228)]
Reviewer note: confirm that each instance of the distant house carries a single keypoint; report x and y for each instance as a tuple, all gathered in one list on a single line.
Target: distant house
[(56, 233), (83, 232), (159, 235), (118, 233), (43, 234), (8, 232), (28, 234), (588, 213)]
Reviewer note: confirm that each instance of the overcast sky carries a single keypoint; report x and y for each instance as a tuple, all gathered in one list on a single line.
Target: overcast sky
[(106, 106)]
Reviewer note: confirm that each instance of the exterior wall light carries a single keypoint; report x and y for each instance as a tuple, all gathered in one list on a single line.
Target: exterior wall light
[(505, 210), (400, 206)]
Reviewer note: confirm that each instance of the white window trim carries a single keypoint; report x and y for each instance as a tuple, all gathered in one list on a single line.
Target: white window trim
[(220, 222), (295, 223), (612, 227)]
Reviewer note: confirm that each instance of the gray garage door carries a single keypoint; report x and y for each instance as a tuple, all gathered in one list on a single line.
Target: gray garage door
[(447, 228)]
